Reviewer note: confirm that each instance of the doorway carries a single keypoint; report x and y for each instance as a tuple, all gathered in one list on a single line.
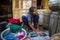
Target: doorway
[(39, 4)]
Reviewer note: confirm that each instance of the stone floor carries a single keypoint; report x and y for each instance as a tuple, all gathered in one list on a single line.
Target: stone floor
[(0, 38)]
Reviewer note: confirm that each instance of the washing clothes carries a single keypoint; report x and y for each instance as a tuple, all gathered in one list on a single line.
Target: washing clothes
[(14, 36), (10, 36), (42, 36)]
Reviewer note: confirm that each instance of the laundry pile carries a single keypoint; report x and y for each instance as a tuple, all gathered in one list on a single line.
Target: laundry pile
[(43, 36), (14, 36), (10, 36)]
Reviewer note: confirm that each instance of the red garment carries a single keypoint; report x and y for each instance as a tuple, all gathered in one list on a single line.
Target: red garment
[(16, 21), (20, 36)]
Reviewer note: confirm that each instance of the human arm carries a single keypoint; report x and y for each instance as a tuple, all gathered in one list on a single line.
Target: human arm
[(32, 26)]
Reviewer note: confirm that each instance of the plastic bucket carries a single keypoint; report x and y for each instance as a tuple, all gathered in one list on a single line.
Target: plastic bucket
[(5, 32)]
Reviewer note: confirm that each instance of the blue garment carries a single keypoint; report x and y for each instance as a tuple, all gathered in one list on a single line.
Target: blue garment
[(10, 36), (44, 36), (33, 19)]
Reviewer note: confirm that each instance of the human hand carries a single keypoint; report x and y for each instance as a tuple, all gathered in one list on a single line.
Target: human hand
[(38, 32)]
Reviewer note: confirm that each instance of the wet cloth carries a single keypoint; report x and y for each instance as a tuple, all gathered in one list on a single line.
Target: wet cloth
[(10, 36), (43, 36)]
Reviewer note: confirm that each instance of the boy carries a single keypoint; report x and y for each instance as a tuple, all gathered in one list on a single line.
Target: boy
[(31, 19)]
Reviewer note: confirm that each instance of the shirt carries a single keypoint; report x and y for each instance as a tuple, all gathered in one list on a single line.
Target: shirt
[(33, 19)]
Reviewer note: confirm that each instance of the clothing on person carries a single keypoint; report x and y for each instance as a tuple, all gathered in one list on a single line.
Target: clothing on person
[(30, 18)]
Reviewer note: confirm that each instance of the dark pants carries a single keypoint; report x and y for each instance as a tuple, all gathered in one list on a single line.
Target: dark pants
[(25, 21)]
